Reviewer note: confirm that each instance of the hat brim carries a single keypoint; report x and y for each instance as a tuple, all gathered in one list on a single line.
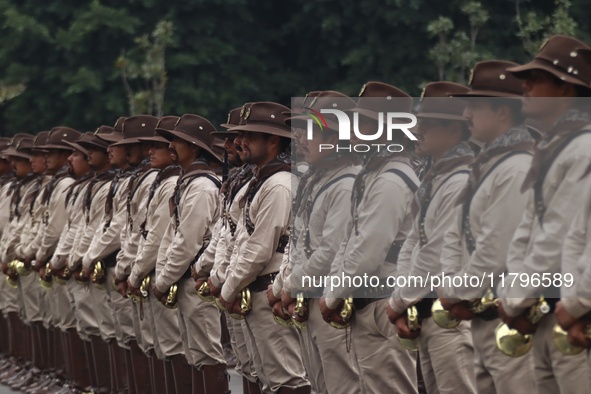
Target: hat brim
[(224, 134), (110, 137), (154, 140), (92, 145), (442, 116), (51, 146), (487, 93), (127, 141), (170, 135), (11, 152), (302, 121), (263, 128), (77, 147), (522, 72)]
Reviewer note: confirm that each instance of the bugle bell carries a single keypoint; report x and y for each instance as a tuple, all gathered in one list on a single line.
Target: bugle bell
[(412, 316), (346, 313)]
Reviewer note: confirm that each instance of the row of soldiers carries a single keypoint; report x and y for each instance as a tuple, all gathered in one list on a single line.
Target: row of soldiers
[(139, 247)]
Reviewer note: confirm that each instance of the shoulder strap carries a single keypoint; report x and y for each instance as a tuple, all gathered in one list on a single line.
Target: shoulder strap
[(470, 241), (327, 185), (423, 211), (409, 182), (538, 198)]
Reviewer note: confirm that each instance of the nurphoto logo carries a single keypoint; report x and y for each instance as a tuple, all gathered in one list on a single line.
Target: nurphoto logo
[(387, 122)]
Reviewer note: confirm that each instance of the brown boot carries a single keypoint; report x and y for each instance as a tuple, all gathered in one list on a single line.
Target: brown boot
[(182, 373), (197, 381), (79, 368), (141, 369), (215, 379), (129, 370), (119, 367), (100, 352), (254, 387), (169, 376), (157, 371)]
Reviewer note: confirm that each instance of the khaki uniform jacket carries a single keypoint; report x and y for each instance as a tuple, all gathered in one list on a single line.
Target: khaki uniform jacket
[(383, 218), (136, 216), (107, 238), (4, 207), (74, 223), (256, 254), (494, 215), (329, 223), (12, 235), (87, 230), (538, 249), (158, 219), (198, 212), (576, 255), (30, 239), (227, 241), (415, 260), (54, 221)]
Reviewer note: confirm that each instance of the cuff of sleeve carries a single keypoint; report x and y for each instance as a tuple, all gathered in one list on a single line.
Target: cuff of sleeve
[(160, 286), (332, 303), (277, 288), (396, 303), (215, 279), (134, 280), (86, 261), (574, 307), (516, 306), (227, 294)]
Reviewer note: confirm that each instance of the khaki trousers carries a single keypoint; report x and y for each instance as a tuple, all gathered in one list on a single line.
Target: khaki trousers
[(11, 301), (496, 372), (86, 321), (331, 368), (65, 305), (121, 312), (447, 358), (200, 326), (275, 349), (384, 365), (244, 365), (101, 298), (30, 294), (142, 326), (164, 325), (555, 372)]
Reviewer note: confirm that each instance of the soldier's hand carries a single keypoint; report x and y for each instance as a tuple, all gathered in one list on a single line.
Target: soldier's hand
[(215, 291), (122, 288), (4, 268), (330, 315), (563, 318), (461, 311), (160, 296), (271, 299), (279, 311), (577, 335), (286, 299), (402, 328), (392, 314), (519, 323), (229, 306), (132, 290), (27, 262), (194, 273)]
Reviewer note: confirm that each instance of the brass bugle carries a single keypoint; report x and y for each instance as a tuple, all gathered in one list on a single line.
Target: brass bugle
[(346, 313), (204, 293), (412, 316), (560, 338), (171, 301), (98, 275), (298, 311)]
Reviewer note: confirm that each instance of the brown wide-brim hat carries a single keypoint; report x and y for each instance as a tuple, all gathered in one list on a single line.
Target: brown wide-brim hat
[(167, 123), (195, 130), (491, 78), (559, 56), (58, 136), (376, 97), (155, 139), (436, 102), (266, 117), (12, 152), (83, 142), (328, 99), (298, 103), (136, 127)]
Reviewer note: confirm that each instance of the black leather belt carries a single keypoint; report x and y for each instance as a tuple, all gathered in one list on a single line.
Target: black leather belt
[(424, 307), (394, 251), (364, 297), (262, 282)]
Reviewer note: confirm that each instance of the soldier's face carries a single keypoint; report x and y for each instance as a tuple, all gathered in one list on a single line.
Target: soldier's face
[(183, 152), (230, 147), (117, 156), (311, 148), (160, 155), (78, 163), (21, 167), (56, 159), (483, 120), (255, 147), (97, 158), (238, 144), (38, 163), (541, 92), (4, 166), (435, 137)]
